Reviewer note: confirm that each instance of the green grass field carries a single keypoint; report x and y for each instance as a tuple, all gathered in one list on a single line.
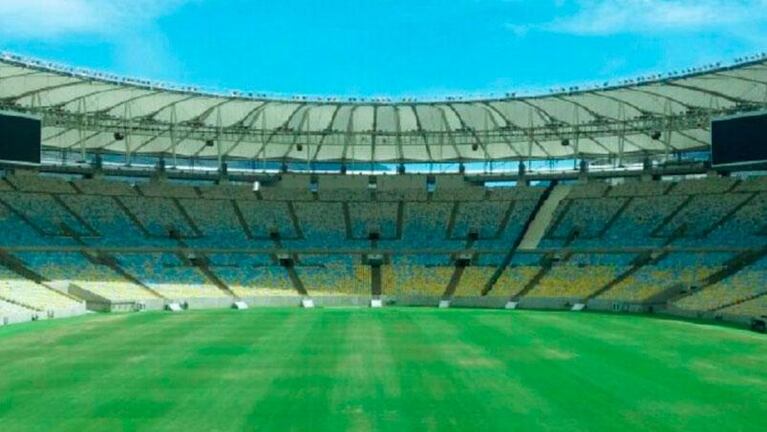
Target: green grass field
[(391, 369)]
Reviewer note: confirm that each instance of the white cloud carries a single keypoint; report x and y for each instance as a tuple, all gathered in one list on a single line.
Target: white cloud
[(130, 27), (606, 17), (50, 19)]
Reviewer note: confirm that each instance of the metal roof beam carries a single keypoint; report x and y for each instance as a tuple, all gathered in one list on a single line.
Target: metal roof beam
[(488, 109), (327, 131), (419, 129)]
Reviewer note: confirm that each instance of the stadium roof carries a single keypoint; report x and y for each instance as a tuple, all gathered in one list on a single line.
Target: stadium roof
[(87, 112)]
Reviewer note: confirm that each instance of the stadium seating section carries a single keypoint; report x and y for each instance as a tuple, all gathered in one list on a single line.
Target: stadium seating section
[(697, 245)]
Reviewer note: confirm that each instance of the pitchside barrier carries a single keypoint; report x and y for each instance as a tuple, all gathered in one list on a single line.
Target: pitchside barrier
[(367, 301), (17, 318)]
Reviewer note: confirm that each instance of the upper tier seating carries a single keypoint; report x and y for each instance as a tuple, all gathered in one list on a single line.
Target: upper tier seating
[(746, 227), (588, 217), (218, 222), (426, 226), (373, 217), (322, 224), (710, 185), (638, 221), (114, 226), (158, 216), (115, 187), (40, 183), (45, 213), (701, 213), (267, 217)]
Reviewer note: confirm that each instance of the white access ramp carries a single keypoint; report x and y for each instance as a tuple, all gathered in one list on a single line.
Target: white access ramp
[(540, 224)]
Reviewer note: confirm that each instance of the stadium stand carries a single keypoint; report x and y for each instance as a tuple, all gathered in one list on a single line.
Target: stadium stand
[(8, 309), (426, 226), (23, 292), (583, 218), (374, 217), (116, 187), (169, 241), (322, 224), (217, 221), (267, 217), (158, 216), (419, 275), (114, 227), (252, 275), (31, 182), (169, 275), (756, 307), (675, 269), (333, 275), (748, 283), (746, 227), (46, 213), (580, 275)]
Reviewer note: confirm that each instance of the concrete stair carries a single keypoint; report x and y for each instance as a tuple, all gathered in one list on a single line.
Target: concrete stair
[(534, 234)]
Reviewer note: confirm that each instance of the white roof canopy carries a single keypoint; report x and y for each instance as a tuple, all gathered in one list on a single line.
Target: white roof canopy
[(82, 112)]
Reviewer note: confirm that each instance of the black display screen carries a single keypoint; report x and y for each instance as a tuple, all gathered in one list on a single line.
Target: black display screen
[(20, 138), (739, 141)]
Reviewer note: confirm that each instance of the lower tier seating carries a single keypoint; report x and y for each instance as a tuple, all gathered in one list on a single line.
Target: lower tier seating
[(414, 276), (753, 308), (31, 294), (568, 281), (10, 309), (334, 276), (169, 275), (747, 283), (676, 269)]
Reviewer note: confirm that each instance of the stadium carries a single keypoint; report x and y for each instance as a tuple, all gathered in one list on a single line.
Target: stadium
[(588, 259)]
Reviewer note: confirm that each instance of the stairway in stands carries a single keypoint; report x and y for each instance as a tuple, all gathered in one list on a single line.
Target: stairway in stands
[(539, 225), (527, 228)]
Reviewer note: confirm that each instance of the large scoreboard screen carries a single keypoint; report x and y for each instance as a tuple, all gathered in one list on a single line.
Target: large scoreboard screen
[(739, 141), (20, 138)]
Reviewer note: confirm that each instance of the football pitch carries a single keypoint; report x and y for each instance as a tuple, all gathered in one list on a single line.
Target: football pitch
[(390, 369)]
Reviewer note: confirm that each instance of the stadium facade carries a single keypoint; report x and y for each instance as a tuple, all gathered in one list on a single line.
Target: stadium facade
[(151, 195)]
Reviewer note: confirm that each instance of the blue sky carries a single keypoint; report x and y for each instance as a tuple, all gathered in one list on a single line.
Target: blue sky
[(384, 47)]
